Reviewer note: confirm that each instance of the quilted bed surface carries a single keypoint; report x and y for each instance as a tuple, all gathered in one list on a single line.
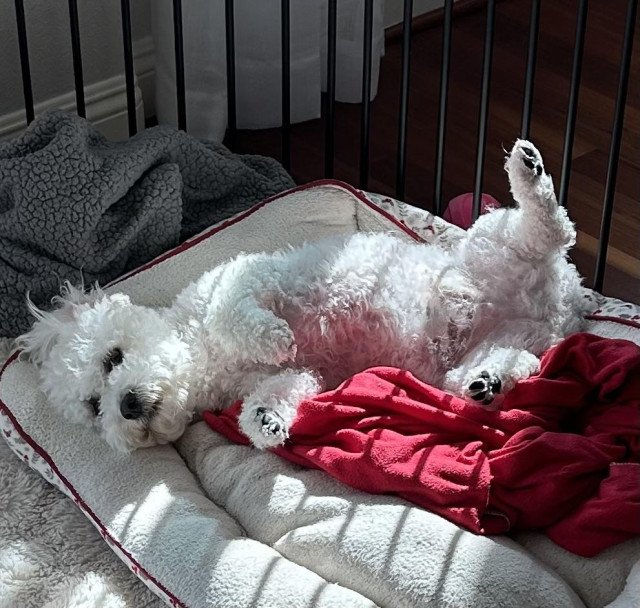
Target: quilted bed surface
[(211, 523)]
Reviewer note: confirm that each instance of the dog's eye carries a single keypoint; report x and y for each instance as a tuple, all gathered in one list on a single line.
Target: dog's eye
[(94, 402), (113, 359)]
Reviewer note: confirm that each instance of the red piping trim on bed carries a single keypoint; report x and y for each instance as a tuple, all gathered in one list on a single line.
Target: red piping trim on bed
[(45, 456), (225, 224), (629, 322), (179, 249)]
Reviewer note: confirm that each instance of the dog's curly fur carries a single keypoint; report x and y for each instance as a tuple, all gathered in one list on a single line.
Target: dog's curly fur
[(273, 329)]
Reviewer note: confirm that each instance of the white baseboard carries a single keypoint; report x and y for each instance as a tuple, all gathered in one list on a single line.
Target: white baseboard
[(144, 58), (105, 101)]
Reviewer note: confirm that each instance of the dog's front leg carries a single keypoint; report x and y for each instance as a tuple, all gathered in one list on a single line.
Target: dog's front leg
[(488, 372), (247, 331), (269, 410)]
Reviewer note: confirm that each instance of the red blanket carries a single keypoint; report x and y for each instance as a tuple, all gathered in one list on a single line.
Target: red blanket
[(562, 455)]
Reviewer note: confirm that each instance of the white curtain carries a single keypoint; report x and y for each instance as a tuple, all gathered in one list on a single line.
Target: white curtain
[(258, 60)]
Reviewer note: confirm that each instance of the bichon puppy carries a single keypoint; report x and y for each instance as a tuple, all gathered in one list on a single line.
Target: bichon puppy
[(273, 329)]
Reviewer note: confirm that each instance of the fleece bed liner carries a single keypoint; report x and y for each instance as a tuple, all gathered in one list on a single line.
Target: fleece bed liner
[(211, 523)]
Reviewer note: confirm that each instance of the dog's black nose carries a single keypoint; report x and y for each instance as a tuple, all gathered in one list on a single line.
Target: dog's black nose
[(130, 407)]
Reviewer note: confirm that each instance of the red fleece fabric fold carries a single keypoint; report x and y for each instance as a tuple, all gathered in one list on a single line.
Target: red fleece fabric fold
[(562, 455)]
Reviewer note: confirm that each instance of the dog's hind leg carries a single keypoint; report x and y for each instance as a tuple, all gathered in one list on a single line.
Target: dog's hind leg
[(269, 410), (543, 225), (488, 372), (537, 227)]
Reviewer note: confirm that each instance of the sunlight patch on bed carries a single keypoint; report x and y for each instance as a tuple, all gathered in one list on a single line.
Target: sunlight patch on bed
[(143, 518), (286, 495)]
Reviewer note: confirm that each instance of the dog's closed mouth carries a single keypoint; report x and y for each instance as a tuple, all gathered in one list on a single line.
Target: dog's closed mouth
[(151, 409), (94, 403)]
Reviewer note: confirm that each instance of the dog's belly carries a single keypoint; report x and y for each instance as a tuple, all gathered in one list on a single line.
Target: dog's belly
[(337, 348), (378, 302)]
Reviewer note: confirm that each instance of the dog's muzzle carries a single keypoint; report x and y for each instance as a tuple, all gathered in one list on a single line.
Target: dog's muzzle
[(131, 407)]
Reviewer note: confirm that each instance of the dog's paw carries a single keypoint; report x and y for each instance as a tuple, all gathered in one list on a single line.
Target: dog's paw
[(264, 427), (278, 343), (485, 390), (530, 184), (531, 159), (271, 423), (524, 161), (285, 344)]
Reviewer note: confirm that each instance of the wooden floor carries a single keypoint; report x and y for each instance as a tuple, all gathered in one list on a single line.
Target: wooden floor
[(555, 51)]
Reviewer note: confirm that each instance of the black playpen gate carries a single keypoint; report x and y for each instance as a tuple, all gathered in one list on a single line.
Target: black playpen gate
[(329, 105)]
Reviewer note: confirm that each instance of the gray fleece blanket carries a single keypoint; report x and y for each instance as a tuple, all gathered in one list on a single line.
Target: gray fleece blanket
[(72, 202)]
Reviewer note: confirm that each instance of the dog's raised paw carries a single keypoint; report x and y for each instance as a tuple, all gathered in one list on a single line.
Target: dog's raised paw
[(525, 160), (531, 159), (484, 388)]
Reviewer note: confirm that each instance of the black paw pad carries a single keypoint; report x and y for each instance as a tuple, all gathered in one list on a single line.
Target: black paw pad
[(485, 388), (530, 160), (271, 422)]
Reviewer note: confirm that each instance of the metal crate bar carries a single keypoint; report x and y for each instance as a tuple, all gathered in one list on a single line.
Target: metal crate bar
[(442, 107), (231, 72), (21, 26), (329, 128), (616, 138), (128, 65), (576, 70), (366, 94), (404, 99), (534, 27), (286, 84), (179, 53), (484, 107), (76, 51)]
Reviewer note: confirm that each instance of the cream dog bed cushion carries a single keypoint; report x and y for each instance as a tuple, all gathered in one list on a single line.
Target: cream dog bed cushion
[(210, 523)]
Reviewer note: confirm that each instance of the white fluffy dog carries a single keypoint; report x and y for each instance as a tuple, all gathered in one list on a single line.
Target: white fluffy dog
[(273, 329)]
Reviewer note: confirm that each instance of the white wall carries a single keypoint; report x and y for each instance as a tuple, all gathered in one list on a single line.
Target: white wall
[(51, 60), (394, 9)]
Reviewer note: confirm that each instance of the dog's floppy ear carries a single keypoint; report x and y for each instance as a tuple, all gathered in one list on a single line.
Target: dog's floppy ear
[(48, 325)]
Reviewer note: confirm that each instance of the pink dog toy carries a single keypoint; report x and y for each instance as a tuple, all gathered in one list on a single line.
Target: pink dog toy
[(460, 209)]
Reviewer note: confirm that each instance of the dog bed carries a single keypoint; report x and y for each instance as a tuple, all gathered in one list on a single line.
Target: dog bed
[(211, 523)]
